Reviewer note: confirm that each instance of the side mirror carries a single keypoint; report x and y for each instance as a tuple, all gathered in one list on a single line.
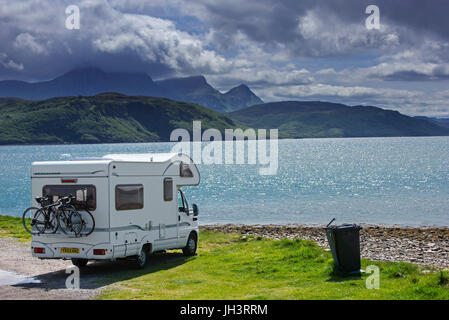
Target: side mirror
[(195, 209)]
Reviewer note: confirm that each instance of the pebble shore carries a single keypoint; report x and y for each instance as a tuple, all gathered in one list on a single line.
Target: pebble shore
[(427, 246)]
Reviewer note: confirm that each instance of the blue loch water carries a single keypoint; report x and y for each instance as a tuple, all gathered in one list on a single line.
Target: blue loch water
[(367, 180)]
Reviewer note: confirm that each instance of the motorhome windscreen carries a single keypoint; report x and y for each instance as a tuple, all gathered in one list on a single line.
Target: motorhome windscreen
[(85, 194)]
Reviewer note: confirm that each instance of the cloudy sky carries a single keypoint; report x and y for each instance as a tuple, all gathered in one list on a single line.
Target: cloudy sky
[(283, 50)]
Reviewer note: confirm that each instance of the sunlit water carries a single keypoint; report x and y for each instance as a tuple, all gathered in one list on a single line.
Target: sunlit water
[(369, 180)]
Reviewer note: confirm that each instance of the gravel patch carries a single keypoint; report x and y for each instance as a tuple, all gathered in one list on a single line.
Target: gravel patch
[(49, 275), (46, 279), (427, 246)]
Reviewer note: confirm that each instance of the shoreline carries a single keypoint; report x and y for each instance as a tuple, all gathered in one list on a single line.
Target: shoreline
[(140, 142), (306, 225), (426, 245), (322, 225)]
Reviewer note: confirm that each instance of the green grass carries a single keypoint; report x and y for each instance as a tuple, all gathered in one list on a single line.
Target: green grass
[(11, 227), (229, 267)]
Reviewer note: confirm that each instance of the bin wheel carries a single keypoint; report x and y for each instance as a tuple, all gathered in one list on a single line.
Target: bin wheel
[(80, 263), (191, 246)]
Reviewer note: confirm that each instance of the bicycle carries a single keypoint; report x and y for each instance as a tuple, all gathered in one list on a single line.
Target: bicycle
[(70, 219), (88, 220), (41, 220), (58, 215)]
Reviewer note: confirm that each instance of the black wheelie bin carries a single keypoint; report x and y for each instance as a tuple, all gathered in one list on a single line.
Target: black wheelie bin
[(344, 241)]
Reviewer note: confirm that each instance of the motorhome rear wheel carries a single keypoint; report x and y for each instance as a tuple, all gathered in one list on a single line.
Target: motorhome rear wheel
[(80, 263)]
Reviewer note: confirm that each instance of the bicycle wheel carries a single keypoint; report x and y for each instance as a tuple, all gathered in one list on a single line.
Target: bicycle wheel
[(28, 220), (70, 221), (88, 222), (38, 221), (45, 221)]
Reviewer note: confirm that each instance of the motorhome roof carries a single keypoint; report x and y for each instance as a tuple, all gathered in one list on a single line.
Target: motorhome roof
[(132, 164), (136, 157), (142, 157)]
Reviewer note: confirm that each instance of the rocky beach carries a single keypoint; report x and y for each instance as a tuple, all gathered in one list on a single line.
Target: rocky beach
[(427, 246)]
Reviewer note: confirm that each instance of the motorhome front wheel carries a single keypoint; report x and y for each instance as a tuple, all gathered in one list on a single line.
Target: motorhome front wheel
[(141, 259), (190, 248)]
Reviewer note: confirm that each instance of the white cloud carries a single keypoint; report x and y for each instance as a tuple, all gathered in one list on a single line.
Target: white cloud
[(443, 95), (262, 77), (330, 36), (25, 41), (328, 71), (8, 63), (155, 40), (354, 92)]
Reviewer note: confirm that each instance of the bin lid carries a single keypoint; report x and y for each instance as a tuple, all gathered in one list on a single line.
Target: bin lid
[(344, 227)]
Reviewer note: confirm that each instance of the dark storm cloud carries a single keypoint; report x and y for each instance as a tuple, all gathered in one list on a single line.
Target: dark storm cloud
[(126, 35), (35, 43), (323, 27)]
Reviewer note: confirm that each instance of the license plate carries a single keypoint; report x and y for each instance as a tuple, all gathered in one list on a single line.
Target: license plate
[(70, 250)]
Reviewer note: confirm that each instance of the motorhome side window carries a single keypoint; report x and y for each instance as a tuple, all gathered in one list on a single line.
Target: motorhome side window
[(128, 197), (168, 189), (85, 194)]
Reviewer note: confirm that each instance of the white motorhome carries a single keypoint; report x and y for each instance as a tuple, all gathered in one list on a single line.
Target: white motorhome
[(136, 200)]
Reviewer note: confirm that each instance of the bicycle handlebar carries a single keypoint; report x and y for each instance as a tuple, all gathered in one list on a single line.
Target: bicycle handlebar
[(67, 199), (42, 199), (64, 200)]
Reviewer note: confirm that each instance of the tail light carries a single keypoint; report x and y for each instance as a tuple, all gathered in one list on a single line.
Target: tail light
[(69, 180), (39, 250), (99, 252)]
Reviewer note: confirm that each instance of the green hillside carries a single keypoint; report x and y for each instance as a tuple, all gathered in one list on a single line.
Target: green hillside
[(304, 119), (104, 118), (113, 117)]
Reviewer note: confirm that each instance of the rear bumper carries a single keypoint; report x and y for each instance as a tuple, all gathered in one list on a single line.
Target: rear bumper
[(85, 251)]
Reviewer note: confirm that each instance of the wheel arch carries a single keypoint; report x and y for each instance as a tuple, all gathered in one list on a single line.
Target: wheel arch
[(147, 245)]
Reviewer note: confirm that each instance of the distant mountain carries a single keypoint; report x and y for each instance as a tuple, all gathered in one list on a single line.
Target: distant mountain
[(197, 90), (314, 119), (81, 82), (242, 96), (444, 122), (104, 118), (92, 81)]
